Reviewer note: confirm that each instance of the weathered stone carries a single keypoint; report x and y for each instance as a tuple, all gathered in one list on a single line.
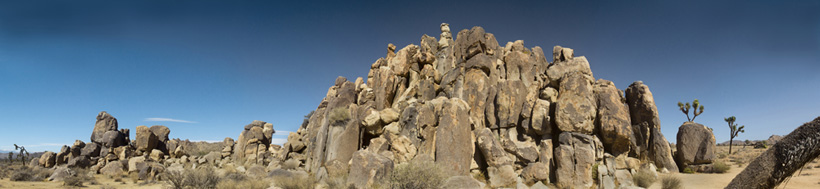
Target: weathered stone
[(475, 94), (389, 115), (79, 162), (509, 101), (146, 140), (613, 119), (576, 107), (453, 138), (403, 149), (491, 149), (574, 157), (560, 69), (91, 150), (157, 155), (535, 172), (624, 177), (368, 168), (541, 120), (660, 152), (161, 132), (696, 144), (643, 114), (61, 173), (113, 139), (503, 176), (48, 159), (132, 163), (105, 122), (113, 169), (462, 182), (474, 41), (519, 66)]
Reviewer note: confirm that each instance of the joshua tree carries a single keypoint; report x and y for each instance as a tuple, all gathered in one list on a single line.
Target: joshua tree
[(735, 130), (685, 109), (23, 153)]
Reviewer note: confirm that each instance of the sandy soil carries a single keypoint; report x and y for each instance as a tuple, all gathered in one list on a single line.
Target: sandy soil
[(102, 182), (809, 178)]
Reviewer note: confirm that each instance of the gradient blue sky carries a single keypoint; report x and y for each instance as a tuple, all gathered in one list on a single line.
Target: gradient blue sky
[(221, 65)]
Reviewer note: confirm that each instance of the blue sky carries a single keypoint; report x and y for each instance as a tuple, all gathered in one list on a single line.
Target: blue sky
[(212, 67)]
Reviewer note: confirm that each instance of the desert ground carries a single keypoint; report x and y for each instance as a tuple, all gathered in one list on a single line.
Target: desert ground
[(809, 177)]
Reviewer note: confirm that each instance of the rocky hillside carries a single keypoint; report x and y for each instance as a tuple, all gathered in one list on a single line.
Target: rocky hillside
[(505, 113)]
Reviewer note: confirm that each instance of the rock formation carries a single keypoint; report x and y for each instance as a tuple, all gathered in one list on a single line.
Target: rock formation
[(476, 107)]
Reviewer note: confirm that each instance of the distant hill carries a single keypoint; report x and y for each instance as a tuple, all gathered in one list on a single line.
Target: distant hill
[(772, 139)]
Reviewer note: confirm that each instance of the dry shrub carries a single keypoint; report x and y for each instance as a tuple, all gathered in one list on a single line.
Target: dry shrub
[(73, 181), (244, 184), (720, 167), (644, 178), (80, 178), (23, 173), (671, 182), (295, 182), (421, 174), (339, 116), (204, 177)]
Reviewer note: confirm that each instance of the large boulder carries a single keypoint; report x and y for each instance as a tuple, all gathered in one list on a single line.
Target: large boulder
[(660, 152), (48, 159), (576, 108), (574, 157), (696, 144), (113, 139), (91, 150), (643, 113), (613, 120), (105, 122), (475, 41), (368, 168), (453, 137), (491, 149), (113, 169), (462, 182), (146, 139), (509, 102), (161, 132)]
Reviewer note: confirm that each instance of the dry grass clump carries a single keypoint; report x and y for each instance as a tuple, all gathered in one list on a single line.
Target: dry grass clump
[(240, 181), (79, 179), (644, 178), (339, 116), (295, 182), (23, 173), (422, 174), (204, 177), (720, 167), (291, 164), (671, 182)]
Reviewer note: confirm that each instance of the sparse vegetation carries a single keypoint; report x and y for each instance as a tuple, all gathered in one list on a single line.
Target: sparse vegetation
[(595, 171), (295, 182), (644, 178), (339, 116), (671, 182), (720, 167), (204, 177), (22, 155), (688, 170), (23, 173), (240, 181), (417, 175), (686, 107), (734, 130)]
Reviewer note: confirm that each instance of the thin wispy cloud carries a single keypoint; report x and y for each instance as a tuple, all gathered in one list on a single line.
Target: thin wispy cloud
[(278, 141), (168, 120)]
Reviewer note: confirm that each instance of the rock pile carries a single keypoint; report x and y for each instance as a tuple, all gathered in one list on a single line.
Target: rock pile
[(478, 108)]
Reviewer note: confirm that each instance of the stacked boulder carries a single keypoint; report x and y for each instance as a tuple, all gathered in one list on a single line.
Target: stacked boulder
[(479, 108), (253, 143)]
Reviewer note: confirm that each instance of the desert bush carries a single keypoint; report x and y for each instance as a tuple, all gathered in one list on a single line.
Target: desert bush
[(339, 116), (23, 173), (644, 178), (295, 182), (204, 177), (595, 171), (720, 167), (420, 174), (243, 184), (688, 170), (671, 182), (73, 181)]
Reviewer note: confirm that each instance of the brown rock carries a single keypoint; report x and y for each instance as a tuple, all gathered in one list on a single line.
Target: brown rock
[(105, 123), (453, 137), (146, 140), (576, 107), (696, 144), (613, 120), (368, 168)]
